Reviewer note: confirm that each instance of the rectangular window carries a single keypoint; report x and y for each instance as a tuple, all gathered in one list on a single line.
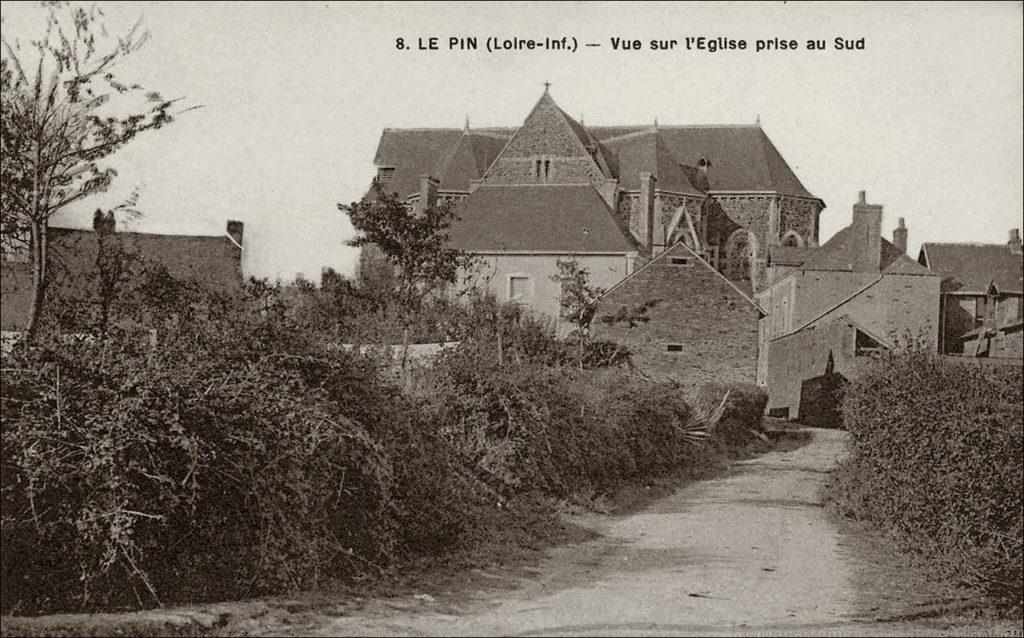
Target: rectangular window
[(518, 288), (385, 174), (681, 261), (674, 347)]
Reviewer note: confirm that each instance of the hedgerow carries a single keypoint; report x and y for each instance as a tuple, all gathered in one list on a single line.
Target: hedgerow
[(238, 455), (935, 459)]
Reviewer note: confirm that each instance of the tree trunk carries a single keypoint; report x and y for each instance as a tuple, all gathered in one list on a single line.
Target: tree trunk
[(39, 278)]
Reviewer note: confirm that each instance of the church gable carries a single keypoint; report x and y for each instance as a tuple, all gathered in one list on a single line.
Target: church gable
[(549, 148)]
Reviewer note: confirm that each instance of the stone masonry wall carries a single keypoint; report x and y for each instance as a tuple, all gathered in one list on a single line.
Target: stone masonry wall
[(545, 135), (713, 324)]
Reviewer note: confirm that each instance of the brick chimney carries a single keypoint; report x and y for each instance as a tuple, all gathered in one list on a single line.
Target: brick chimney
[(428, 193), (104, 223), (645, 231), (236, 230), (1014, 242), (899, 237), (866, 236)]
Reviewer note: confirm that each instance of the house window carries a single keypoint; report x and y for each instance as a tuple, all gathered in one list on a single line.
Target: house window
[(385, 174), (674, 347), (518, 288), (681, 261)]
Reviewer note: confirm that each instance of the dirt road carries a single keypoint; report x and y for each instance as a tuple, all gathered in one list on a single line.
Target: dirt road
[(751, 551)]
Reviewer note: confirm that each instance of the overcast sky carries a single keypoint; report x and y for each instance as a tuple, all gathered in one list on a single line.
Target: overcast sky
[(927, 119)]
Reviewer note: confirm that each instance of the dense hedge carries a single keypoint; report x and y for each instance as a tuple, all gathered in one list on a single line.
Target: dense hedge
[(240, 456), (744, 405), (935, 459)]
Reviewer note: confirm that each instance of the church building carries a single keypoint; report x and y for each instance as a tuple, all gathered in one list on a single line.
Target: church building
[(611, 197)]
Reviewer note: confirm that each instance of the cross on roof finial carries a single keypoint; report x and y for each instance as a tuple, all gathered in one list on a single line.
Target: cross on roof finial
[(466, 127), (547, 85), (757, 120)]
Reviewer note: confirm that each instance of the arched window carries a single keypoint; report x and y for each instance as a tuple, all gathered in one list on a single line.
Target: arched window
[(792, 238), (739, 255)]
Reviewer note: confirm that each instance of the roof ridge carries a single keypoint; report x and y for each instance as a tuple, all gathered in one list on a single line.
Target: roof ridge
[(692, 252)]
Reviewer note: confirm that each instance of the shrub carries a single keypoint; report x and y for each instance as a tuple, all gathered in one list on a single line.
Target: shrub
[(744, 406), (935, 459), (229, 461)]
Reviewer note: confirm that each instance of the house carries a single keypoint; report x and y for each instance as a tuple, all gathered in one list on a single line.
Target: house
[(212, 261), (696, 327), (829, 308), (982, 311), (612, 197)]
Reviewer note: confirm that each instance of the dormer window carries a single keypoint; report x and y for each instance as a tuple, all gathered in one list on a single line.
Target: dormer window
[(385, 174)]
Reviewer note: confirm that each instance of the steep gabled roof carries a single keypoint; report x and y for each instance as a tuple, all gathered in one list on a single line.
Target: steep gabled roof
[(679, 249), (742, 158), (546, 118), (973, 267), (648, 152), (542, 218), (838, 253), (417, 152), (466, 160)]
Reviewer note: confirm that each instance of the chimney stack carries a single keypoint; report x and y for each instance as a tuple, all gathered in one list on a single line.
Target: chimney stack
[(866, 235), (899, 237), (103, 223), (236, 231), (645, 231), (428, 193), (1014, 242)]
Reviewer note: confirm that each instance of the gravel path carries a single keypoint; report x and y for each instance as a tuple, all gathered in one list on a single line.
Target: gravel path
[(750, 551)]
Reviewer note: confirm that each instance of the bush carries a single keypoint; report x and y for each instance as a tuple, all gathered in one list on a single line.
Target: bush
[(935, 459), (229, 461), (743, 409), (526, 426)]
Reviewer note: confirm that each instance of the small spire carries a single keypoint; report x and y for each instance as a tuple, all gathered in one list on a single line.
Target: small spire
[(581, 118), (757, 120), (655, 123), (465, 128), (547, 85)]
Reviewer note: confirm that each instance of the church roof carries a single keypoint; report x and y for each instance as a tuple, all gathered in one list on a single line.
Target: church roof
[(742, 158), (973, 267), (647, 152), (466, 160), (538, 218)]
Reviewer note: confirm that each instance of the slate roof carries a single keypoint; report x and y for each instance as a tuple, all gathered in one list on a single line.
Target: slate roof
[(972, 267), (742, 158), (647, 152), (543, 218), (788, 255), (212, 261), (838, 254)]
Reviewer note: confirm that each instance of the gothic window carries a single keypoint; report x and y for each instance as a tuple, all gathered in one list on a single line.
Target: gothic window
[(792, 238), (739, 255), (541, 169)]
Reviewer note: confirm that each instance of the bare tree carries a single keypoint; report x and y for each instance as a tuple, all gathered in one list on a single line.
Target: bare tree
[(63, 112)]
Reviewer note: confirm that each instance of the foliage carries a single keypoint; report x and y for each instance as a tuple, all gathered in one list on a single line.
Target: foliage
[(240, 454), (414, 242), (578, 301), (64, 113), (743, 405), (935, 459)]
